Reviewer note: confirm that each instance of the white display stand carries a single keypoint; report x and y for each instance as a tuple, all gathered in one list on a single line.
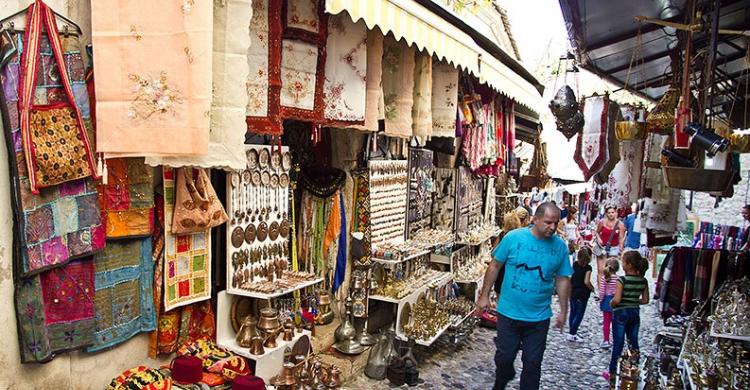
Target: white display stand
[(267, 365)]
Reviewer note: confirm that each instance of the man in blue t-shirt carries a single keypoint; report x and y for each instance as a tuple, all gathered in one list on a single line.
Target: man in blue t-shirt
[(534, 259), (632, 238)]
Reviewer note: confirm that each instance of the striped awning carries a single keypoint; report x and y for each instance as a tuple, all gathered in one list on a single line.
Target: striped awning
[(507, 82), (416, 25)]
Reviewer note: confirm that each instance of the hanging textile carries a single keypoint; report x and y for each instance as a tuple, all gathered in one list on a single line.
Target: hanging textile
[(230, 72), (509, 137), (215, 359), (398, 87), (341, 258), (374, 106), (263, 58), (55, 311), (344, 90), (421, 112), (361, 218), (612, 146), (593, 146), (124, 301), (54, 137), (127, 200), (303, 60), (625, 180), (145, 106), (187, 261), (444, 99), (62, 222)]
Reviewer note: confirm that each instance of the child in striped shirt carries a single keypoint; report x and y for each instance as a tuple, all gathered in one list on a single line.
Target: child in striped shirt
[(632, 291), (607, 289)]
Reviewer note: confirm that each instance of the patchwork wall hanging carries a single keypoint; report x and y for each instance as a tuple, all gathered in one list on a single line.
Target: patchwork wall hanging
[(597, 141), (398, 87), (187, 257), (62, 222), (444, 99), (264, 79), (344, 89), (124, 302), (421, 112), (55, 142), (147, 107), (303, 57), (625, 180), (374, 106), (228, 105), (127, 200), (55, 311)]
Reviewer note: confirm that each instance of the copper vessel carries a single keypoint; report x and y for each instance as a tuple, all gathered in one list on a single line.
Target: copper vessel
[(286, 378), (269, 320), (256, 346), (271, 340), (325, 314), (333, 381), (288, 334), (247, 332)]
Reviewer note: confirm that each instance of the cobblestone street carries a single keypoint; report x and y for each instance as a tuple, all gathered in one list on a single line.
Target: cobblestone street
[(566, 365)]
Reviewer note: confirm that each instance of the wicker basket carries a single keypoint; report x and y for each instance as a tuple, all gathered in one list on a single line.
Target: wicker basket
[(697, 179)]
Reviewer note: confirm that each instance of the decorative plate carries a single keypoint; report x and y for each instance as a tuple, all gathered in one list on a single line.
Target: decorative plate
[(252, 158), (273, 231), (247, 177), (265, 178), (256, 178), (274, 181), (234, 178), (261, 232), (263, 158), (286, 161), (238, 237), (283, 180), (276, 161), (284, 228), (250, 234)]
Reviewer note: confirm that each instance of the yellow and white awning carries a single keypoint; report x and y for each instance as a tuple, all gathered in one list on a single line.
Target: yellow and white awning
[(416, 25), (507, 82), (421, 27)]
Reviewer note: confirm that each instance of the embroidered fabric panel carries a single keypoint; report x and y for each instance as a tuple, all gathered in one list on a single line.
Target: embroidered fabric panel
[(55, 311), (625, 180), (124, 292), (421, 112), (298, 63), (187, 261), (302, 15), (62, 222), (374, 105), (361, 215), (591, 150), (611, 145), (264, 61), (127, 200), (444, 99), (147, 107), (345, 86), (398, 87)]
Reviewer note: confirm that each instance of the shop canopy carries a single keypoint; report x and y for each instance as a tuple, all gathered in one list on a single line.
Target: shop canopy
[(431, 27), (605, 35)]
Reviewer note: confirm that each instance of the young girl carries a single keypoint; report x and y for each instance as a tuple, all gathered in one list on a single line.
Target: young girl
[(632, 291), (580, 292), (607, 289)]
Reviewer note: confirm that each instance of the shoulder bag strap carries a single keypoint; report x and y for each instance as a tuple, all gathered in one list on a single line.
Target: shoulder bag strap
[(40, 17)]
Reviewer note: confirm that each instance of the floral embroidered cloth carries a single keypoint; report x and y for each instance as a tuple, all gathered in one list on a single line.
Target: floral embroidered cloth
[(346, 71), (124, 303), (625, 180), (216, 359), (374, 106), (398, 87), (145, 106), (62, 222), (127, 200), (421, 112), (187, 257), (263, 58), (596, 149), (444, 99), (230, 98)]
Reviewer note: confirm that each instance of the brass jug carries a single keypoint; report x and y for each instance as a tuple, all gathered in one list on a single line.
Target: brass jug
[(269, 320), (288, 334), (325, 314), (286, 378), (271, 340), (334, 378), (248, 330), (256, 346)]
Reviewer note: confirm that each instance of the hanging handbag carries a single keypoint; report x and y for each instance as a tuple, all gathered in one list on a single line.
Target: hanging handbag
[(196, 206), (56, 145)]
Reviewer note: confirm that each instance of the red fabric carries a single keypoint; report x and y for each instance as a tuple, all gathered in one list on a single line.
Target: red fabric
[(68, 292), (271, 125), (588, 172), (606, 324), (604, 234)]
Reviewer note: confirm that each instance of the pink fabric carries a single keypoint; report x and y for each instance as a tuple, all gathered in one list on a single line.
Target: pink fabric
[(608, 287), (607, 323)]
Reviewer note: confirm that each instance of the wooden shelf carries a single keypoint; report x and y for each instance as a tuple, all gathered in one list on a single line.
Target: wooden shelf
[(260, 295)]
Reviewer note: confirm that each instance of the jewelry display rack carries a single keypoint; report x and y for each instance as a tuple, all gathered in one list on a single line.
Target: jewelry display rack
[(260, 228)]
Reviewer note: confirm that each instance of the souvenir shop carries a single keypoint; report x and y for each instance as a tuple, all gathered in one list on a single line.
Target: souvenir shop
[(290, 206)]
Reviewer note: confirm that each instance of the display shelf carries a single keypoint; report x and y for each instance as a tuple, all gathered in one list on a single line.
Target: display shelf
[(260, 295), (428, 342), (481, 241), (728, 335), (401, 260), (478, 280), (440, 281), (687, 377), (457, 323)]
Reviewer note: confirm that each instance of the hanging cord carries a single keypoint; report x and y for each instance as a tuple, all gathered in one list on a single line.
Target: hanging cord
[(633, 57)]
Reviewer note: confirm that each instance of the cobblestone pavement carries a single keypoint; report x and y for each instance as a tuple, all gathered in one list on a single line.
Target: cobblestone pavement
[(566, 365)]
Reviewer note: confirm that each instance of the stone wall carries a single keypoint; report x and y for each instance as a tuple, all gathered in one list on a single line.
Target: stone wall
[(728, 212)]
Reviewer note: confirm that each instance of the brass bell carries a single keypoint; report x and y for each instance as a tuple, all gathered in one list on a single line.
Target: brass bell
[(271, 340), (256, 346), (247, 331)]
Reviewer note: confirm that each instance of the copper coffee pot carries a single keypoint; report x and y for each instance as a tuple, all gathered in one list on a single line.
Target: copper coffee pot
[(269, 320), (334, 378), (288, 334), (256, 346), (247, 332), (286, 379), (271, 340)]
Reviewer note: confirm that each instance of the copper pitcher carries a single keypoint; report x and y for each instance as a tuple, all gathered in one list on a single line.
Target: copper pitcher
[(333, 381), (271, 340), (286, 379), (256, 346), (288, 334), (247, 332), (269, 320)]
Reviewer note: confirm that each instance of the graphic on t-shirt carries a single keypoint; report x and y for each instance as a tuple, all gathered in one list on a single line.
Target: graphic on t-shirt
[(537, 268)]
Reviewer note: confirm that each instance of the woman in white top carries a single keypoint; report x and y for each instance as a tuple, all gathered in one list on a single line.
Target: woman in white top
[(568, 227)]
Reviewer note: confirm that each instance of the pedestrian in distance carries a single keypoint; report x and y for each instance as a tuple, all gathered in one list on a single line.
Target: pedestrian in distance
[(535, 259), (607, 290), (581, 289), (632, 291), (609, 238)]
